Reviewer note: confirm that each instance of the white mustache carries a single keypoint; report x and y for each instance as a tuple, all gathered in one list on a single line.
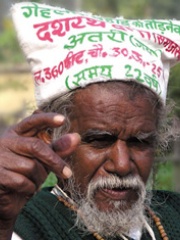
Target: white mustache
[(113, 181)]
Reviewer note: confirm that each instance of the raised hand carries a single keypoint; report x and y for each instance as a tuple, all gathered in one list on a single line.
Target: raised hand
[(25, 161)]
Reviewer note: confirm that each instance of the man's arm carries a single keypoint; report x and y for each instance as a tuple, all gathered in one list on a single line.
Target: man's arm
[(26, 160)]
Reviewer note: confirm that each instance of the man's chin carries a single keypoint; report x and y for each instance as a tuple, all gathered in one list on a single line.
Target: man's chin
[(110, 218), (111, 205)]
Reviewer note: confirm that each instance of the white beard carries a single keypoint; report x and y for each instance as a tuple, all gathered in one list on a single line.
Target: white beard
[(119, 220)]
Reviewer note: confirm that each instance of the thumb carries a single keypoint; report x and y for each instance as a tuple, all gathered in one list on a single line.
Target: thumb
[(66, 144)]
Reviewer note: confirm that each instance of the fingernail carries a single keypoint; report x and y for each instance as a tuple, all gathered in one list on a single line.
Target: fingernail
[(59, 118), (67, 172), (76, 136)]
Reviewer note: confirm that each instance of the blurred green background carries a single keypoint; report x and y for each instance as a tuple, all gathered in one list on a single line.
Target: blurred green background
[(16, 85)]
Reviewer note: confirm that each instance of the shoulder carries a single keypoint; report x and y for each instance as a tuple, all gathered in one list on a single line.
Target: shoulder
[(165, 204), (44, 202), (166, 201), (166, 198), (44, 217)]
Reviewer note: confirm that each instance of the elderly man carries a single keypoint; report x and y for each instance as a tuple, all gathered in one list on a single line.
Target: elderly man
[(97, 128)]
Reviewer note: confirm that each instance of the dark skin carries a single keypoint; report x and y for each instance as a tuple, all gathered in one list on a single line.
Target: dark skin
[(117, 138), (25, 161)]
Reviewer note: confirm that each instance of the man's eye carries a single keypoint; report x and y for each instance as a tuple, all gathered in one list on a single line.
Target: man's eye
[(134, 141), (100, 141)]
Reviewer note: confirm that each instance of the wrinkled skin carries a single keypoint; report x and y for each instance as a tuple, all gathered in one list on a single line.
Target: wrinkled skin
[(25, 161), (118, 135)]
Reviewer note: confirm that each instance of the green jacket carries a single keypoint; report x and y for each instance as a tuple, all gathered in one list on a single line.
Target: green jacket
[(45, 218)]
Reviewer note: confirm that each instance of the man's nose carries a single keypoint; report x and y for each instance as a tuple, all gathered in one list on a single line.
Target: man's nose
[(118, 159)]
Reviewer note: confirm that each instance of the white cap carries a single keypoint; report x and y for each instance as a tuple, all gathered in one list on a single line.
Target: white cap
[(69, 49)]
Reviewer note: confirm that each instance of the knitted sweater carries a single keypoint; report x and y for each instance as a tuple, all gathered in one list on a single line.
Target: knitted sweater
[(45, 218)]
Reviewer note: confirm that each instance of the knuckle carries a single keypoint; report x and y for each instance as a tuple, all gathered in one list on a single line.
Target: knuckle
[(50, 156), (24, 186), (20, 181), (32, 166), (29, 166), (52, 159), (37, 145), (8, 143)]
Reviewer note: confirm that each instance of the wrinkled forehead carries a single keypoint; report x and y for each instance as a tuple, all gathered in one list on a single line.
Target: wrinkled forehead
[(114, 107), (129, 91), (103, 99)]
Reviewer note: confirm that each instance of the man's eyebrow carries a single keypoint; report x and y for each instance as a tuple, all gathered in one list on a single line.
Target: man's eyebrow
[(146, 135), (98, 133), (94, 132)]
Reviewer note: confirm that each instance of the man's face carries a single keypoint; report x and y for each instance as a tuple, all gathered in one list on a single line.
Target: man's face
[(117, 139)]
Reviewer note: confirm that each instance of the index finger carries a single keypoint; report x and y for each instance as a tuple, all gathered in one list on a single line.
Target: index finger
[(35, 123)]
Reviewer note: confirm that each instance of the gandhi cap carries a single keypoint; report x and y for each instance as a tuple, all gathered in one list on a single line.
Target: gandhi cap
[(68, 49)]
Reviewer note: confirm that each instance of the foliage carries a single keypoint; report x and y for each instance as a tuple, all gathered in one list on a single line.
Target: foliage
[(163, 176), (50, 181), (134, 9), (174, 88), (14, 84), (9, 47)]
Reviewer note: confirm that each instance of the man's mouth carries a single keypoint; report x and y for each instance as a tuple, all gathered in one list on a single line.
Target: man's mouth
[(117, 194)]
